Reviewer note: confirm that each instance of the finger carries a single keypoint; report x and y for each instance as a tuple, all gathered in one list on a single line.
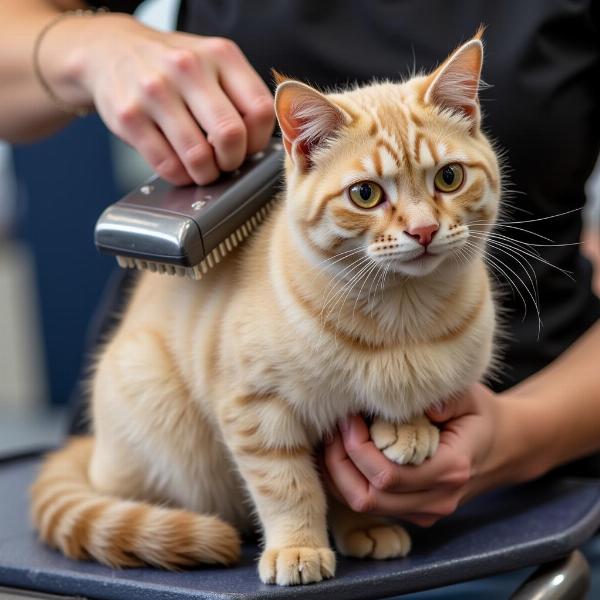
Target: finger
[(218, 117), (457, 406), (163, 159), (431, 502), (361, 497), (252, 98), (327, 481), (369, 460), (421, 519), (385, 475), (138, 131), (344, 476), (448, 467), (183, 133)]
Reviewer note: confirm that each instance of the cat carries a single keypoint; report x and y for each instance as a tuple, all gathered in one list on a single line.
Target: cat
[(364, 292)]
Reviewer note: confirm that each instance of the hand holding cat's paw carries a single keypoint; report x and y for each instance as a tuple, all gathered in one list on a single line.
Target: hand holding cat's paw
[(379, 541), (406, 443), (296, 565)]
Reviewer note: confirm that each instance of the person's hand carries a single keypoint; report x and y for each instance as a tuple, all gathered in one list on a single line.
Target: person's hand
[(483, 444), (191, 105)]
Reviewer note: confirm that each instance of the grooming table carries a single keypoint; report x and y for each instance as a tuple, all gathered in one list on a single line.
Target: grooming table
[(506, 530)]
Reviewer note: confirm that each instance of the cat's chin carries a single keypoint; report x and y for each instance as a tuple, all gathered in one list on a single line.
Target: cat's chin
[(418, 267)]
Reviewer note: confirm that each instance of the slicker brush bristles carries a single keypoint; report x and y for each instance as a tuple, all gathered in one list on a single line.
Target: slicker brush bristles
[(213, 258)]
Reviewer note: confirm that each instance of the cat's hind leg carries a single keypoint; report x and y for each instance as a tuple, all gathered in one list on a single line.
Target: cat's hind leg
[(121, 497), (366, 536)]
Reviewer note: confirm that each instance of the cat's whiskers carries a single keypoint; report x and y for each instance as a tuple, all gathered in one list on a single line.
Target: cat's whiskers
[(358, 267), (562, 214), (470, 251), (516, 246), (355, 281), (380, 283), (522, 261), (493, 262), (516, 253), (366, 278), (339, 280), (338, 257)]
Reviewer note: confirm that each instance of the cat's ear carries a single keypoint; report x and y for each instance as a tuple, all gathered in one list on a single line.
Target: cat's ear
[(454, 84), (307, 120)]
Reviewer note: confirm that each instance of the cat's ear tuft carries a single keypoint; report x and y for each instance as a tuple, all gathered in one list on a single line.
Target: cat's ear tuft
[(278, 77), (455, 84), (307, 118)]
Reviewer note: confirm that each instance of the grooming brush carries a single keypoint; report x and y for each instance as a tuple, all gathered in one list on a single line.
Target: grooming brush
[(187, 230)]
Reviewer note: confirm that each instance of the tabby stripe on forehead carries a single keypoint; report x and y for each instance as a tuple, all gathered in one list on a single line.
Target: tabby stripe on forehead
[(415, 118), (417, 148), (377, 162), (432, 151), (390, 150), (404, 142)]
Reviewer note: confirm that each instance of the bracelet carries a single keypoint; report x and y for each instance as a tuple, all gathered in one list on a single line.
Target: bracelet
[(66, 107)]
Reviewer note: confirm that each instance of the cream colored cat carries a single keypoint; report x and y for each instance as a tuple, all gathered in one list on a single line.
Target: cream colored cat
[(364, 292)]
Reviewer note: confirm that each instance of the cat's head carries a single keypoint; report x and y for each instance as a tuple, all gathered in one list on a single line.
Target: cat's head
[(398, 173)]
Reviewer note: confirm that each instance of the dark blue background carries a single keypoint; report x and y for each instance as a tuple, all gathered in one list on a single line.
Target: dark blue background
[(65, 182)]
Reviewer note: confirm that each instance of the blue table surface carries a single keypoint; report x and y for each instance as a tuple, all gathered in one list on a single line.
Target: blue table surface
[(506, 530)]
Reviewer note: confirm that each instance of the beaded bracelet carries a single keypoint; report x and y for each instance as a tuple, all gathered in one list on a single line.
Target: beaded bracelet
[(64, 106)]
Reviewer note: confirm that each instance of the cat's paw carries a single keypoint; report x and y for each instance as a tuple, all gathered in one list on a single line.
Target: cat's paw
[(382, 541), (406, 443), (296, 565)]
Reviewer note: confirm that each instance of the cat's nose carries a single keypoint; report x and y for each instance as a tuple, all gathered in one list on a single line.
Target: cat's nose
[(423, 233)]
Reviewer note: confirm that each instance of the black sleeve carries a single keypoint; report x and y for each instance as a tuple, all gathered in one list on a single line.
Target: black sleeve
[(126, 6)]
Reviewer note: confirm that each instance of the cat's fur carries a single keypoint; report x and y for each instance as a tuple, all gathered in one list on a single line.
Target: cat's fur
[(215, 391)]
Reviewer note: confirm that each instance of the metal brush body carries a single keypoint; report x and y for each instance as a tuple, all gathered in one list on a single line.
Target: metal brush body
[(187, 230)]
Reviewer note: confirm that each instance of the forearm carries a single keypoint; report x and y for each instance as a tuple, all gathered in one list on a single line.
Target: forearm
[(559, 407), (26, 110)]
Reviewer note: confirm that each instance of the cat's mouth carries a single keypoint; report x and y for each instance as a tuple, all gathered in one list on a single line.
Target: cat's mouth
[(425, 255)]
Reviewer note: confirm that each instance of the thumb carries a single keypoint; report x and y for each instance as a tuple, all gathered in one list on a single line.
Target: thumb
[(453, 407)]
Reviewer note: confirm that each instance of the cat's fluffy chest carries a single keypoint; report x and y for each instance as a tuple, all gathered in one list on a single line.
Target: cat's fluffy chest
[(396, 383)]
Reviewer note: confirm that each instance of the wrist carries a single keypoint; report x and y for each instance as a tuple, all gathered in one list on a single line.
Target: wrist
[(518, 450), (66, 55), (530, 435)]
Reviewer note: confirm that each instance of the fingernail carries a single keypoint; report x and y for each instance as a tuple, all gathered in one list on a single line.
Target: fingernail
[(328, 438), (344, 425)]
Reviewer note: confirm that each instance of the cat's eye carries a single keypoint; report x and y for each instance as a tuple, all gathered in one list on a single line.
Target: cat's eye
[(366, 194), (449, 178)]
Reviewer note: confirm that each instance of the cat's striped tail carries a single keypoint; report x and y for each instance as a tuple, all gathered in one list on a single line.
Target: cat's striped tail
[(71, 516)]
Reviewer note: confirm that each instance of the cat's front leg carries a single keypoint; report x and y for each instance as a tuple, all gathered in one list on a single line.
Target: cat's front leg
[(275, 458), (406, 443)]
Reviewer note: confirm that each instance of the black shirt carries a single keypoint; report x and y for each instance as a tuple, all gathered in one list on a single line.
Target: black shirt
[(543, 62)]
